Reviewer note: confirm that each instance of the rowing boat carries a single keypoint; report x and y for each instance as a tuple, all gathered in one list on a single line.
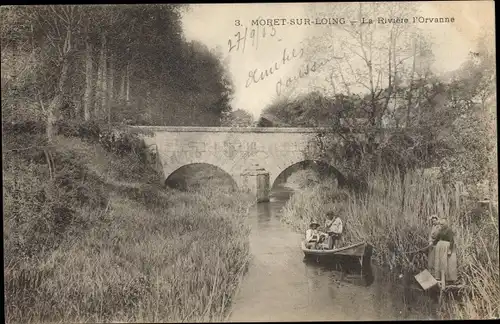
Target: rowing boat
[(359, 250)]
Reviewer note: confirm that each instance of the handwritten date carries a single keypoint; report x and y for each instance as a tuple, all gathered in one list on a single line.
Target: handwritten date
[(250, 37)]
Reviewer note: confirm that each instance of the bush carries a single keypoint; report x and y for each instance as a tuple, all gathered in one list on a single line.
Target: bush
[(23, 127), (86, 130), (115, 140), (122, 143), (114, 249), (81, 187), (20, 137), (38, 209), (303, 179), (132, 264)]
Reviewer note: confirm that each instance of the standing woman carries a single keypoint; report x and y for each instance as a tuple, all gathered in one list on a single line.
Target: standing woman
[(435, 228), (442, 258)]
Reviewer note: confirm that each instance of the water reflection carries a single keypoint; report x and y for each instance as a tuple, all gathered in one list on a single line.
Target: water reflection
[(263, 214), (344, 269), (282, 285)]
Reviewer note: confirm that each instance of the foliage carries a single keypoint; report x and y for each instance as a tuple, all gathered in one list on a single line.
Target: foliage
[(109, 63), (238, 118), (302, 179), (393, 216), (71, 204), (23, 127), (449, 130), (43, 208), (378, 83), (112, 248), (115, 140)]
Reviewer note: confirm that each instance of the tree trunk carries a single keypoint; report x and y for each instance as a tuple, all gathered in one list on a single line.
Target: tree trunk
[(389, 74), (395, 65), (122, 86), (50, 122), (410, 94), (87, 96), (78, 106), (99, 83), (54, 108), (97, 92), (110, 88), (104, 59), (55, 105), (127, 98)]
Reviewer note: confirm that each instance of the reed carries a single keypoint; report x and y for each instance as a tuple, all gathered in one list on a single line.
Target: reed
[(149, 255), (393, 216)]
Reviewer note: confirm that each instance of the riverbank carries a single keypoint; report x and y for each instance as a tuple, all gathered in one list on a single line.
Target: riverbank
[(94, 239), (282, 286), (393, 217)]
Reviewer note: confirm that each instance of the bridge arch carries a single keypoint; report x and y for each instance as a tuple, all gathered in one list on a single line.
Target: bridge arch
[(199, 171), (314, 164), (244, 153)]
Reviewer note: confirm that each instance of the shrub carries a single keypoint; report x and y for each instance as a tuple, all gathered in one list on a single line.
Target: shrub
[(121, 143), (115, 249), (132, 264), (112, 139), (23, 127), (22, 137), (86, 130), (39, 209)]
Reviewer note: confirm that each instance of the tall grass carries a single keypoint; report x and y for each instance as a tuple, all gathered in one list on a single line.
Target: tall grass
[(393, 216), (303, 179), (146, 255)]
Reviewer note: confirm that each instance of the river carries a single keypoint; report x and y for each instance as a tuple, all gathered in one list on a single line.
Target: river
[(281, 286)]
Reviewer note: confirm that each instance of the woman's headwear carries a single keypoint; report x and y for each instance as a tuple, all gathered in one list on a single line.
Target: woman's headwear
[(313, 223)]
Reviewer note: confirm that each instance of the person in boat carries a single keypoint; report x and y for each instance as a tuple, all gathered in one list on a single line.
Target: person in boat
[(442, 258), (313, 236), (334, 228)]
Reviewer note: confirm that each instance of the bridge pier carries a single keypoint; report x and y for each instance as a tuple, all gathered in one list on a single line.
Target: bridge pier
[(236, 150), (255, 180)]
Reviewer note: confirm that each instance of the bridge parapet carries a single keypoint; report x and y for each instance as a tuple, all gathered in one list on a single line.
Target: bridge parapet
[(184, 129), (235, 150)]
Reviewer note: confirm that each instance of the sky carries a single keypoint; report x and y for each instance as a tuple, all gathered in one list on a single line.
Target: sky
[(215, 26)]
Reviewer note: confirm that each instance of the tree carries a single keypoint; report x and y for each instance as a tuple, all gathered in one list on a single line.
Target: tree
[(373, 59), (89, 71), (379, 77), (49, 33), (238, 118), (109, 63), (472, 95)]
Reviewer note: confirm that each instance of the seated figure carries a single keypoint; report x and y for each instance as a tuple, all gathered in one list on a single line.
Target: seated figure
[(313, 236)]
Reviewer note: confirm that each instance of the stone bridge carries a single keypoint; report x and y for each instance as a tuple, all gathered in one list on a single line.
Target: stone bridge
[(254, 157)]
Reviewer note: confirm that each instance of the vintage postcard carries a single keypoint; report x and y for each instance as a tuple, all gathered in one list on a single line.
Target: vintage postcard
[(250, 162)]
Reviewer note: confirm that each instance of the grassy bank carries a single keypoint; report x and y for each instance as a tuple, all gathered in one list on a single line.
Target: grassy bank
[(304, 180), (95, 240), (393, 215)]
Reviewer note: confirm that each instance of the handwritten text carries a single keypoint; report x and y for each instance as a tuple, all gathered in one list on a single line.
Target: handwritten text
[(249, 34), (255, 76), (313, 66)]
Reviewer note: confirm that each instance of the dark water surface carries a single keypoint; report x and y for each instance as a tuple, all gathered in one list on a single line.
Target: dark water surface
[(281, 286)]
